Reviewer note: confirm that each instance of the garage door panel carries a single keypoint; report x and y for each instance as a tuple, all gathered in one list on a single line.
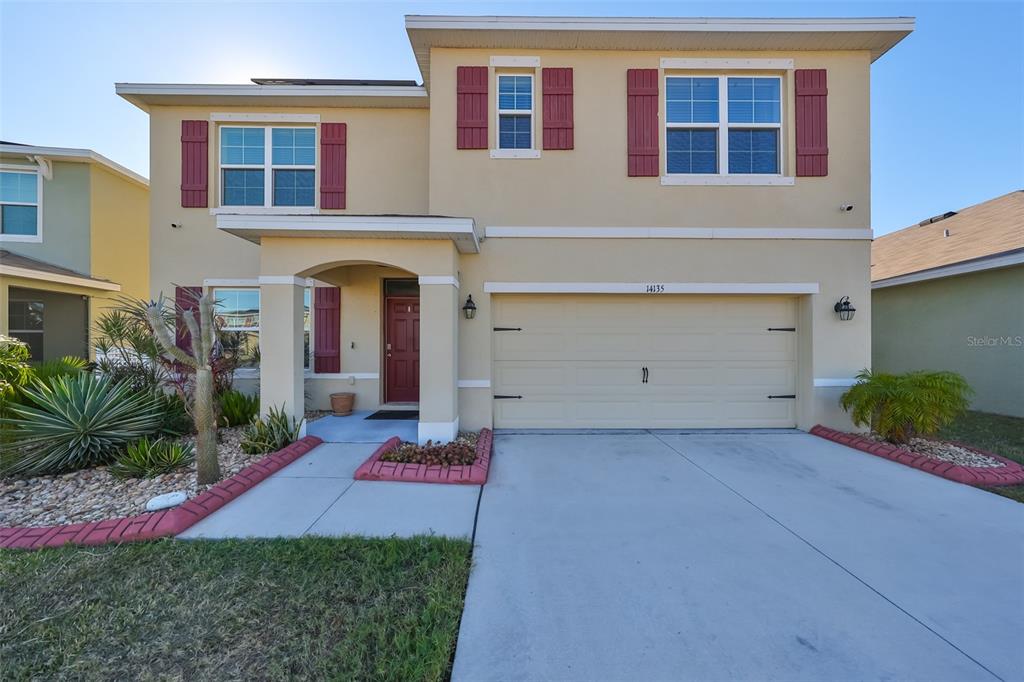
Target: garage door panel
[(577, 361)]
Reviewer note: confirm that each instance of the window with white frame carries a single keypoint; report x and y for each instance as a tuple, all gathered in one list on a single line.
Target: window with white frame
[(238, 318), (250, 178), (723, 125), (515, 111), (19, 204)]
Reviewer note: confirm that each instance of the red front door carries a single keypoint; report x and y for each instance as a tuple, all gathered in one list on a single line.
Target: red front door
[(402, 350)]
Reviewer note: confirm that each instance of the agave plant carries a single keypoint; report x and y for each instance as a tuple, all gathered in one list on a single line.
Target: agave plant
[(900, 406), (149, 458), (76, 422), (237, 408), (270, 434)]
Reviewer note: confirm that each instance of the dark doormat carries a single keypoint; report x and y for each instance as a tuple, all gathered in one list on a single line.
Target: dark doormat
[(395, 414)]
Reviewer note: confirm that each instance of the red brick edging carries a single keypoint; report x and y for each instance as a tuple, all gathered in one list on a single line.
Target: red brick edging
[(1011, 474), (469, 474), (161, 523)]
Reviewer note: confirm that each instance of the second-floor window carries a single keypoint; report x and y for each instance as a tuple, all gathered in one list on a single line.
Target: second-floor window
[(250, 176), (723, 125), (19, 205), (515, 111)]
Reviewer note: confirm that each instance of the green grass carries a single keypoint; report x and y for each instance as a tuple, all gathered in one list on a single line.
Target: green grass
[(311, 608), (994, 433)]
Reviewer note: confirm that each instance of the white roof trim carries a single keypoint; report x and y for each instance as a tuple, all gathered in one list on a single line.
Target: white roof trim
[(252, 227), (631, 232), (250, 90), (70, 154), (56, 278), (703, 24), (978, 265), (651, 288)]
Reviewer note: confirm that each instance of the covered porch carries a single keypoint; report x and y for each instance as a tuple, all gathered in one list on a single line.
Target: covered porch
[(385, 312)]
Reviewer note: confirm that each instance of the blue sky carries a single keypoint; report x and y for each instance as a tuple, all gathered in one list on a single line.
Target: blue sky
[(947, 103)]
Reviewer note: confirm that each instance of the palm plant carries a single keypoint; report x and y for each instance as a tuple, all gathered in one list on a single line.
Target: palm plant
[(75, 422), (900, 406), (68, 365)]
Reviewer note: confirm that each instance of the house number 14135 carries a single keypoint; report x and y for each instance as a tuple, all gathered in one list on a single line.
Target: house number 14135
[(655, 289)]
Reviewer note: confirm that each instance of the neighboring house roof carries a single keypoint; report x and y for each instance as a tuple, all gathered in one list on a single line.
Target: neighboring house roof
[(986, 235), (876, 35), (29, 152), (16, 265), (284, 91)]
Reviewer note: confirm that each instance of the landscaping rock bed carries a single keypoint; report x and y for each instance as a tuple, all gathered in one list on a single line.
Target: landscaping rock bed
[(94, 494), (461, 451), (947, 452)]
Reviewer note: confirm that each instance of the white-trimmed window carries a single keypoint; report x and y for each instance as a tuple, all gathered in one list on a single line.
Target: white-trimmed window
[(250, 176), (19, 205), (238, 316), (723, 125), (515, 112)]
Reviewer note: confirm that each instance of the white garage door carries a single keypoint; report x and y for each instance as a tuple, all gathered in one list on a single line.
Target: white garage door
[(622, 361)]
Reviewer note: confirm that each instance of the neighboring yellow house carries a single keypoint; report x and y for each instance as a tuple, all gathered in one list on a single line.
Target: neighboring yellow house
[(74, 237), (947, 295), (655, 220)]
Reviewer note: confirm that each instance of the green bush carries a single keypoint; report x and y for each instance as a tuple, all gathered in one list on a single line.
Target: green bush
[(76, 422), (146, 458), (900, 406), (271, 434), (174, 417), (237, 408), (15, 371), (67, 366)]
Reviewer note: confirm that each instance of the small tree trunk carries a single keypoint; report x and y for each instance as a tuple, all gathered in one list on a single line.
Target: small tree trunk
[(207, 467)]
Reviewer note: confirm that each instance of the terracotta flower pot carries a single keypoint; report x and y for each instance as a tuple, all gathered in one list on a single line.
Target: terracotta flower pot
[(341, 403)]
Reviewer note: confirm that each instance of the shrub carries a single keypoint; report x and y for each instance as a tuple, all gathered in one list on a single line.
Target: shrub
[(76, 422), (237, 408), (900, 406), (146, 458), (447, 454), (126, 349), (271, 434), (174, 417), (15, 371), (67, 366)]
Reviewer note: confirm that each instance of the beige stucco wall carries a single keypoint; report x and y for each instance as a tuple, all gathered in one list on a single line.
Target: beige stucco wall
[(588, 186), (386, 173), (972, 324)]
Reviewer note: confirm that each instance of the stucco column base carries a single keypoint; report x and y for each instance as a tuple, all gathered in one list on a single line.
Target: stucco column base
[(281, 347), (439, 318)]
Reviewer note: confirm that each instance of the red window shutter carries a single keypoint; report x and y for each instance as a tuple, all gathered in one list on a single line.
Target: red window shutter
[(185, 298), (333, 150), (558, 123), (811, 122), (326, 329), (471, 108), (642, 122), (194, 164)]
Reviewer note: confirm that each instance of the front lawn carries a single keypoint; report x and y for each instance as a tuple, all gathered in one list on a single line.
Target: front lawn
[(310, 608), (995, 433)]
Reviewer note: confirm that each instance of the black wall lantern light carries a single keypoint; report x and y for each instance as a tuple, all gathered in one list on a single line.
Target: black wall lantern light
[(844, 309), (469, 310)]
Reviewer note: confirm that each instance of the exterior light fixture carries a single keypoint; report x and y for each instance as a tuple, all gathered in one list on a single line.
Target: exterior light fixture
[(469, 310), (844, 309)]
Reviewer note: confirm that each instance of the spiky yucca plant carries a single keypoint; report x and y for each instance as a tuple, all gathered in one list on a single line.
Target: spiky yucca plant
[(75, 422), (149, 458), (900, 406)]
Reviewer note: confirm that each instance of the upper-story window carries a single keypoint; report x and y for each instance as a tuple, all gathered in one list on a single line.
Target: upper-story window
[(19, 205), (723, 125), (252, 177), (515, 111)]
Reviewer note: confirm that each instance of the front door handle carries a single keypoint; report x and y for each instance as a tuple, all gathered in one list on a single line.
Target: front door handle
[(388, 355), (645, 375)]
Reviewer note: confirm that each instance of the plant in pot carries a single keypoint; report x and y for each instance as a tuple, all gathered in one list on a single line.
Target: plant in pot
[(342, 403)]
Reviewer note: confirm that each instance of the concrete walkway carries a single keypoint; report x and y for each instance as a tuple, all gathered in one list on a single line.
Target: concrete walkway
[(316, 494), (657, 556)]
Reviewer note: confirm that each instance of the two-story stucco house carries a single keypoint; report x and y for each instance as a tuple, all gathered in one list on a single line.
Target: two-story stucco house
[(654, 219), (74, 238)]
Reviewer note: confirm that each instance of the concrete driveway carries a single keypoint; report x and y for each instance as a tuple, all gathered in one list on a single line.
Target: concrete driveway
[(757, 555)]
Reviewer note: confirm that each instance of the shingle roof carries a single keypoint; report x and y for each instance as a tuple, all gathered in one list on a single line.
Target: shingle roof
[(15, 260), (985, 229)]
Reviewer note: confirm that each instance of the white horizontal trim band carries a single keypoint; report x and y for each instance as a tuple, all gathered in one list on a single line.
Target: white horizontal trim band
[(515, 61), (231, 218), (990, 263), (679, 232), (84, 282), (266, 118), (254, 90), (439, 279), (283, 279), (474, 383), (342, 375), (700, 24), (828, 383), (651, 288), (745, 180), (231, 282), (515, 153), (751, 64)]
